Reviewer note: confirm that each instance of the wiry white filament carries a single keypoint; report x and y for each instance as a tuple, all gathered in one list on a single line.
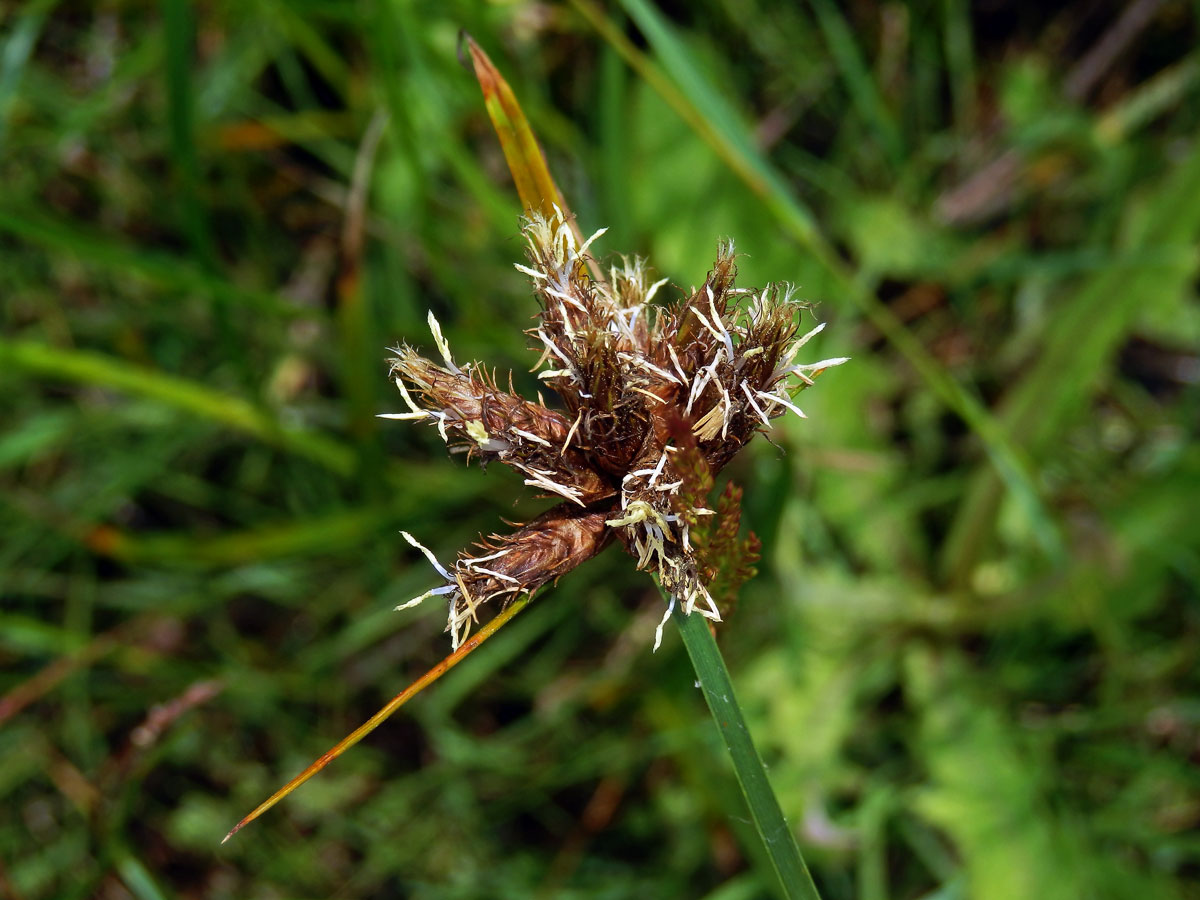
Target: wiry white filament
[(428, 555), (653, 289), (441, 424), (638, 360), (494, 574), (582, 250), (568, 329), (566, 298), (657, 399), (808, 337), (406, 416), (415, 411), (719, 334), (724, 332), (710, 611), (754, 404), (472, 560), (662, 461), (823, 364), (540, 478), (554, 348), (728, 414), (532, 273), (683, 379), (658, 632), (699, 383), (442, 345), (437, 591), (775, 398), (530, 436), (571, 433)]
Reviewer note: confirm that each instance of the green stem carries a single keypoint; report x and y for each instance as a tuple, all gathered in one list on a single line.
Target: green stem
[(772, 827)]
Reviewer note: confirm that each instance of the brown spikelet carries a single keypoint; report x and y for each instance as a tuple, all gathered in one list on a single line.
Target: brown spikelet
[(727, 562), (656, 400), (538, 552), (487, 422)]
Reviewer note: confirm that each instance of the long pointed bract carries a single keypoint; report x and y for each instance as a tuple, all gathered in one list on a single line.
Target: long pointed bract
[(390, 707), (524, 155)]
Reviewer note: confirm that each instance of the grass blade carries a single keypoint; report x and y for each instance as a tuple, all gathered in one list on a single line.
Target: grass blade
[(960, 61), (354, 316), (318, 534), (226, 409), (178, 37), (165, 270), (860, 83), (15, 53), (1080, 342), (960, 734), (706, 112), (772, 827)]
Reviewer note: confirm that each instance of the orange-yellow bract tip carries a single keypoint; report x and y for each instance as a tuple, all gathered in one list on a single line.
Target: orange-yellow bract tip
[(535, 185), (388, 708)]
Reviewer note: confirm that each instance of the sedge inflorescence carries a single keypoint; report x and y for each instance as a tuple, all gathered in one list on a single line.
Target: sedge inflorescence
[(655, 401)]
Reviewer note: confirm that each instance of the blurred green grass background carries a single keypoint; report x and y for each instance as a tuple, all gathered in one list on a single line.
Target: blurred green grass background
[(970, 656)]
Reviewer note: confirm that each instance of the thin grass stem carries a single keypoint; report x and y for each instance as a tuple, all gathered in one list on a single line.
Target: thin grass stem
[(778, 839)]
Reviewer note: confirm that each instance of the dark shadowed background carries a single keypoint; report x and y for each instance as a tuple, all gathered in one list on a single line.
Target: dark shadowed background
[(970, 655)]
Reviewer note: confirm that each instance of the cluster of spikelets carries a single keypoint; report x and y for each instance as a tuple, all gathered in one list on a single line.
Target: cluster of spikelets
[(655, 401)]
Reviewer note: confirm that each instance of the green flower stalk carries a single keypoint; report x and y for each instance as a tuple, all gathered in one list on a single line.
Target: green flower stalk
[(656, 400)]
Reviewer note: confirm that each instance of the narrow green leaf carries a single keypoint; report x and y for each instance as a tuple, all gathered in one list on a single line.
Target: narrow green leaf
[(307, 36), (28, 439), (128, 262), (137, 878), (860, 83), (1080, 341), (960, 61), (226, 409), (1148, 100), (179, 36), (707, 112), (326, 534), (360, 370), (15, 53)]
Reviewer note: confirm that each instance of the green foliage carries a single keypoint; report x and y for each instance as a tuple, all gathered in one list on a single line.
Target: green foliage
[(968, 658)]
